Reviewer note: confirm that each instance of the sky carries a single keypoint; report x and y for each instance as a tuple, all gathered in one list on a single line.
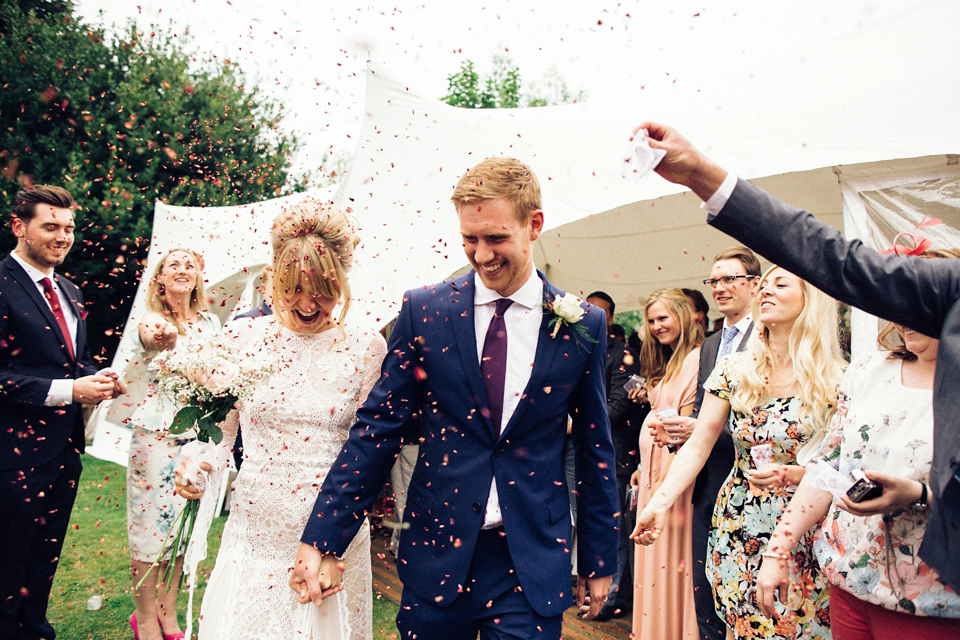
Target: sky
[(311, 56)]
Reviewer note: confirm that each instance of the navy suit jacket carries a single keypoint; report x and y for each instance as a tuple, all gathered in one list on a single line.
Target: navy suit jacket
[(431, 390), (33, 352), (921, 294)]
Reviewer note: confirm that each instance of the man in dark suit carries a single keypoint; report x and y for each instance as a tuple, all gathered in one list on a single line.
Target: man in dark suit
[(46, 375), (489, 539), (733, 282), (625, 420), (921, 294)]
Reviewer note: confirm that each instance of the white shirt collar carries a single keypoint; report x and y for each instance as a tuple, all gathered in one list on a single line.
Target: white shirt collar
[(35, 274), (742, 324), (530, 295)]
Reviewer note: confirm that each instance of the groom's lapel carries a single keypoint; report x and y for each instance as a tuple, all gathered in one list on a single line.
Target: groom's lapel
[(547, 349), (461, 316)]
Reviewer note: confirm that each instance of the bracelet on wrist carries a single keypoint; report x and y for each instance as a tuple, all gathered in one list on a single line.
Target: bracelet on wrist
[(774, 555)]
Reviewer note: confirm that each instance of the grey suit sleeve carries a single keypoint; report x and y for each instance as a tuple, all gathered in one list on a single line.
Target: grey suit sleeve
[(911, 291)]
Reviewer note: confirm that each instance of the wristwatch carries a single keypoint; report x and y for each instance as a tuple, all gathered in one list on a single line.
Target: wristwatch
[(922, 503)]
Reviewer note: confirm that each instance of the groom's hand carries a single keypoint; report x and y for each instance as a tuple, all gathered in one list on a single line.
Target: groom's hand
[(316, 575), (599, 588)]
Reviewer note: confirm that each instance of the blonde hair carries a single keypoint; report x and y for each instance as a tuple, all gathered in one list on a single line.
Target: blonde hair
[(495, 178), (889, 338), (313, 245), (156, 298), (814, 349), (658, 362)]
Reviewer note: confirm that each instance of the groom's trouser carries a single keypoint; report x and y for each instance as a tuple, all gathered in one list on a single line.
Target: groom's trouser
[(492, 603)]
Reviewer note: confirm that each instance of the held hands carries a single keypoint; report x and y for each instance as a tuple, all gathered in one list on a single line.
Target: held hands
[(898, 493), (599, 589), (316, 575), (774, 476), (772, 580)]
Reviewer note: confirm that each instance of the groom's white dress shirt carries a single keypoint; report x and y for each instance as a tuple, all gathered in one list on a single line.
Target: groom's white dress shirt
[(523, 319)]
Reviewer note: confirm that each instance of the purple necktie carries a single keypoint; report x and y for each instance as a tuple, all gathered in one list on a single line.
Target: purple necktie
[(493, 362)]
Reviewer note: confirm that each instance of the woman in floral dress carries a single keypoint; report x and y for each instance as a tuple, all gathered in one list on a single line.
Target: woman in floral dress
[(779, 395), (880, 588)]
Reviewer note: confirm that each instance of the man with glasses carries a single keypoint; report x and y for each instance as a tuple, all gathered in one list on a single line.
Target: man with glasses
[(733, 283)]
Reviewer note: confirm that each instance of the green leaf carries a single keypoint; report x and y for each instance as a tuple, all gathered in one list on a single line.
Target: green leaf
[(208, 430), (185, 419)]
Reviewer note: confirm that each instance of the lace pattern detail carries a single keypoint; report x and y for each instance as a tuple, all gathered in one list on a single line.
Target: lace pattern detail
[(293, 428)]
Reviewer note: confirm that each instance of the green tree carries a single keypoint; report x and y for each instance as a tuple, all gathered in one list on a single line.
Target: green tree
[(502, 88), (122, 123)]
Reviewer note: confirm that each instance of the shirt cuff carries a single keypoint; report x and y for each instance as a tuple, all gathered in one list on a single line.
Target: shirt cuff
[(718, 200), (61, 393)]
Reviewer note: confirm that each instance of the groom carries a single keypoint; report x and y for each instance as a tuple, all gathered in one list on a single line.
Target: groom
[(478, 372)]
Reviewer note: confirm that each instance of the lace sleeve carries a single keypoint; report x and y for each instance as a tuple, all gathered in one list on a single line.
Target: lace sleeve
[(372, 359)]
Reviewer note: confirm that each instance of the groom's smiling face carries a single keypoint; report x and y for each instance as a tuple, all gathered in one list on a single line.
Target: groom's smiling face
[(497, 244)]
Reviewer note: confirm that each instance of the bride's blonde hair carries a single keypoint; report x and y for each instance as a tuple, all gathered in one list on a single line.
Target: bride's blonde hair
[(313, 245), (814, 349)]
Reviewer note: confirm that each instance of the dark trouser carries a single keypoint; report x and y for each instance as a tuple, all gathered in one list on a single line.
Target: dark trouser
[(492, 603), (621, 591), (36, 506), (709, 481)]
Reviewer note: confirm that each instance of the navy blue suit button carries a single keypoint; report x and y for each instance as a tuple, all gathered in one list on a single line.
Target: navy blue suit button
[(497, 452), (476, 507)]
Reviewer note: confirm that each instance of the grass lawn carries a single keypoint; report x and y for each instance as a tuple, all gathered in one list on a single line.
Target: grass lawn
[(95, 561)]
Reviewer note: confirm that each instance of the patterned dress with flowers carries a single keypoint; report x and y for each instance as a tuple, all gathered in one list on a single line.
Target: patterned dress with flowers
[(744, 519), (883, 426)]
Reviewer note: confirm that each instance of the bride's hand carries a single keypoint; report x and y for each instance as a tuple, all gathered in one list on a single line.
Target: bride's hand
[(316, 575), (186, 489)]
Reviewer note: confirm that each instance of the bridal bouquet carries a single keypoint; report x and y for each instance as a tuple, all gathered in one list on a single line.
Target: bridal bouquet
[(207, 380)]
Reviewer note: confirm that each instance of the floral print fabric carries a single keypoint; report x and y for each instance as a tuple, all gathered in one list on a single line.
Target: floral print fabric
[(744, 519), (884, 426)]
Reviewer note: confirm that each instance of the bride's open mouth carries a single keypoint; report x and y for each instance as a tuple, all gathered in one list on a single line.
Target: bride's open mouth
[(307, 318)]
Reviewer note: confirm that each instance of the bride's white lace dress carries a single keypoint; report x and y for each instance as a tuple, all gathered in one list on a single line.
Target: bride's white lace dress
[(293, 428)]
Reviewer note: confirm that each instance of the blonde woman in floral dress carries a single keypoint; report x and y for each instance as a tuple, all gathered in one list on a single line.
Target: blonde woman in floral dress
[(779, 395)]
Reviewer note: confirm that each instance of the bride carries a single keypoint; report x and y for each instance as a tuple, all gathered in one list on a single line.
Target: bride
[(293, 427)]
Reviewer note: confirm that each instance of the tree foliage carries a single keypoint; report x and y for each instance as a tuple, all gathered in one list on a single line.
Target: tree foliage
[(122, 123), (502, 88)]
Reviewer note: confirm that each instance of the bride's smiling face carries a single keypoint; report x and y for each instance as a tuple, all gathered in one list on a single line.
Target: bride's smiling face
[(303, 311)]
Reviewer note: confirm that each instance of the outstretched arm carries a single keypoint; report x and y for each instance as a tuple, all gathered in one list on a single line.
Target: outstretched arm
[(684, 469), (683, 164)]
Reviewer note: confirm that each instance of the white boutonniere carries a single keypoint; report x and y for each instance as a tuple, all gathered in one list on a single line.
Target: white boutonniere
[(567, 309)]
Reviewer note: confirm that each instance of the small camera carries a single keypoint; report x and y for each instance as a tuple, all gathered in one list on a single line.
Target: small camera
[(863, 489)]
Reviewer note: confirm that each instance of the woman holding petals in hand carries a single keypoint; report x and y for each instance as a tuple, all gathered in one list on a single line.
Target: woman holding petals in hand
[(779, 395), (868, 550), (177, 315), (294, 424), (670, 359)]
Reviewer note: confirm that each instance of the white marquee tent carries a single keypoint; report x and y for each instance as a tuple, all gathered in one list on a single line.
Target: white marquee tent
[(862, 132)]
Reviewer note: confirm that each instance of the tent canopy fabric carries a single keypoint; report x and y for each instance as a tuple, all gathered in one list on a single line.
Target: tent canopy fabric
[(880, 101)]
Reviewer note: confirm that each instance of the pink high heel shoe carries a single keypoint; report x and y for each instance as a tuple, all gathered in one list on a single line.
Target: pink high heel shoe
[(175, 636), (133, 625)]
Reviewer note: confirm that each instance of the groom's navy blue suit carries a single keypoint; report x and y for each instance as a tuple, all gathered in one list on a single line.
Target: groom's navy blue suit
[(431, 389)]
